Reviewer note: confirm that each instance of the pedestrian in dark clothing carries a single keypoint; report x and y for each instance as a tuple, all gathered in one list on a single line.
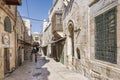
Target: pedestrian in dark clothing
[(37, 49), (34, 51)]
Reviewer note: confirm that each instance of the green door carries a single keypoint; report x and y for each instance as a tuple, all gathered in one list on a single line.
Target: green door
[(62, 53)]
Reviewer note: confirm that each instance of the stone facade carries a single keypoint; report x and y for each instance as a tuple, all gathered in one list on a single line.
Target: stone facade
[(28, 39), (79, 27), (103, 70), (37, 37), (75, 25), (28, 26), (7, 40), (20, 38), (83, 52), (79, 30), (48, 28), (46, 39), (57, 41)]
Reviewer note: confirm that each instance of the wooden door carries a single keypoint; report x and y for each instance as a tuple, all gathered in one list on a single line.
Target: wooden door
[(6, 60)]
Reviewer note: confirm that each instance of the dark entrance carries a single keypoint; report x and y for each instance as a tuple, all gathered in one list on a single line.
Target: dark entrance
[(45, 50), (19, 56), (6, 60), (61, 52)]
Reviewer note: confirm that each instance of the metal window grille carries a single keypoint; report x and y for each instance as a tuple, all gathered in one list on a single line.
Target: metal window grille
[(105, 36)]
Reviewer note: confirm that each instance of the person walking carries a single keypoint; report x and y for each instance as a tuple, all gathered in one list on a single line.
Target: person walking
[(34, 51), (36, 55)]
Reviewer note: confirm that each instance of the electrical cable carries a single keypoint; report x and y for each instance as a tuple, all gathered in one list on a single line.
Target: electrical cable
[(32, 18), (27, 8)]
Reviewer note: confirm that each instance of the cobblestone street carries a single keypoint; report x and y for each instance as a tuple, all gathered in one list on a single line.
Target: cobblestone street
[(44, 69)]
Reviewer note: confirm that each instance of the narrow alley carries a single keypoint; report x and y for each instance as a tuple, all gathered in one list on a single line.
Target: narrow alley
[(44, 69), (70, 39)]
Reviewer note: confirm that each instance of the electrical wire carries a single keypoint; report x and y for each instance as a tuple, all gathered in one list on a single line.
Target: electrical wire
[(29, 14), (27, 8), (32, 18)]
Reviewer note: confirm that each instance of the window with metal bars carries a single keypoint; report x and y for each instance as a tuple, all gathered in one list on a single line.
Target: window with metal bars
[(105, 36)]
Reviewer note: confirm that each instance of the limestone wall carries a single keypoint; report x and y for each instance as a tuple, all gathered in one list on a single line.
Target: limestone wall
[(47, 37), (102, 70), (11, 46), (83, 18), (78, 13)]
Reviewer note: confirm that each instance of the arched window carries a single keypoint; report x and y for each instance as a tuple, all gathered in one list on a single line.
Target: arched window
[(7, 24), (78, 53)]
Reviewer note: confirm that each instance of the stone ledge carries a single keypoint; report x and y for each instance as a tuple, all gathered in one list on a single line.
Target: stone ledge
[(93, 2)]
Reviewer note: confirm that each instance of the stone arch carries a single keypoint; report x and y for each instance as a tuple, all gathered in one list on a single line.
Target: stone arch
[(71, 35), (70, 43), (78, 53)]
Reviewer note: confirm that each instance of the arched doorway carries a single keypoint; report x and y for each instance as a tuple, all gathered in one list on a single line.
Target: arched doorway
[(70, 43)]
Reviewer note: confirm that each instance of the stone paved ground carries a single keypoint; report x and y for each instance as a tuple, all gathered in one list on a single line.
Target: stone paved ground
[(44, 69)]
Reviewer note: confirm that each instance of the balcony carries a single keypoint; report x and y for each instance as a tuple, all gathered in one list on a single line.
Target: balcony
[(13, 2), (57, 22)]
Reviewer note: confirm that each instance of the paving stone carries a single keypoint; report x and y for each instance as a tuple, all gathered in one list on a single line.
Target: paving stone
[(44, 69)]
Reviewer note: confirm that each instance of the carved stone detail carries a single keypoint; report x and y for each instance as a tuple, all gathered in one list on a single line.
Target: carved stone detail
[(101, 5)]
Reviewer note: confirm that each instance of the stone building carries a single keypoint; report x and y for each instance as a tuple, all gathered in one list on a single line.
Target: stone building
[(75, 27), (28, 26), (52, 29), (57, 41), (90, 29), (92, 43), (8, 12), (104, 39), (28, 39), (20, 39), (37, 37), (46, 38)]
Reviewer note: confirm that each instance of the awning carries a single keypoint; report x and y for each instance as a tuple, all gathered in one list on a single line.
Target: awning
[(61, 39), (42, 46)]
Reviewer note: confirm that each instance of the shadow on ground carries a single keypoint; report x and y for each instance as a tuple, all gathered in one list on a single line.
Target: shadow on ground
[(42, 72), (31, 71)]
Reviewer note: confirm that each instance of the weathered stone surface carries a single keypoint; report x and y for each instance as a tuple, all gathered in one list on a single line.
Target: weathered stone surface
[(101, 69), (44, 69), (5, 11), (83, 24)]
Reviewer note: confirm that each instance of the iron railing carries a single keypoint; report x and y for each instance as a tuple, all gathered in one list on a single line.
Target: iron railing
[(105, 37)]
